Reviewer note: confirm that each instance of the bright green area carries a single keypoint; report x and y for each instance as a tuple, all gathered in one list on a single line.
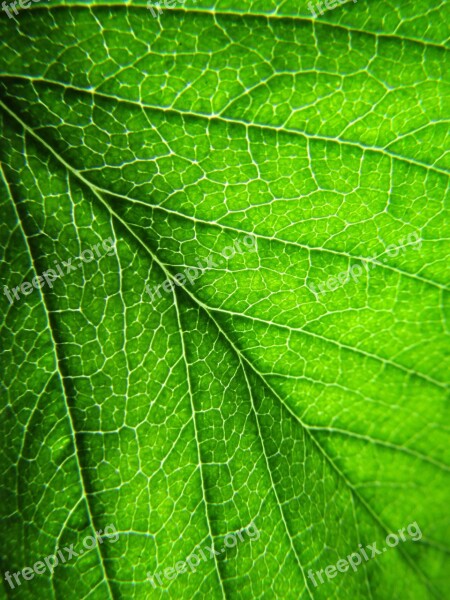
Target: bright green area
[(245, 397)]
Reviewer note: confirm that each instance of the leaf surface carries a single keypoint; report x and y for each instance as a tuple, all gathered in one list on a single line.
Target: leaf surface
[(247, 396)]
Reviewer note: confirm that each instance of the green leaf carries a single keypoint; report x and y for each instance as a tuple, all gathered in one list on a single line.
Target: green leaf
[(246, 397)]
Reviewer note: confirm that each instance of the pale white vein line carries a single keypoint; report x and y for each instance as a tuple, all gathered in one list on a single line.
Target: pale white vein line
[(366, 574), (269, 470), (383, 443), (64, 394), (273, 238), (197, 438), (386, 361), (248, 125), (269, 16)]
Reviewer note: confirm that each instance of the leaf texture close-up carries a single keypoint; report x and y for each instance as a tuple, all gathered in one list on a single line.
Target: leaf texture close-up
[(225, 299)]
